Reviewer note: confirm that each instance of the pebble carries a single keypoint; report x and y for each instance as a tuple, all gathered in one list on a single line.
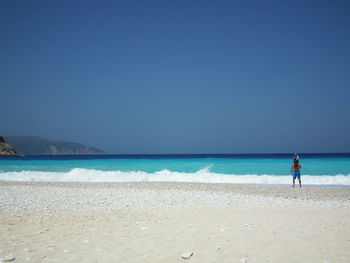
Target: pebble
[(8, 258), (187, 255), (48, 197), (244, 260)]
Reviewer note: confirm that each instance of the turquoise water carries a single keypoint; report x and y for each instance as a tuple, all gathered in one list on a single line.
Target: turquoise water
[(327, 169), (259, 166)]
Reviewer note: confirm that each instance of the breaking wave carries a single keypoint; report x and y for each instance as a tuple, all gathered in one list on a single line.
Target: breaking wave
[(201, 176)]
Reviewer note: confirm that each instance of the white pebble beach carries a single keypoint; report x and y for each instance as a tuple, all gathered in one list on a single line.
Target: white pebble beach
[(173, 222)]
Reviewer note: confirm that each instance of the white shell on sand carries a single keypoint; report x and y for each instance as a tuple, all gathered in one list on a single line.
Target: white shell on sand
[(187, 255), (8, 258), (244, 260)]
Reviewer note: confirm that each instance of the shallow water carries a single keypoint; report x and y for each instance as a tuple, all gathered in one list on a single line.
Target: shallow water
[(317, 169)]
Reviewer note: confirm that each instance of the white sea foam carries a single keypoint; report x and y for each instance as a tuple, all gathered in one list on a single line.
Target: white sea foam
[(201, 176)]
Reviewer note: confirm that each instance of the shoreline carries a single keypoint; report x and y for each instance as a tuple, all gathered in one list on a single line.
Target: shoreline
[(161, 194), (320, 186)]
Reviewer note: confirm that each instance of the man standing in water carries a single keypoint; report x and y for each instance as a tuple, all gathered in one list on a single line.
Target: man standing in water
[(295, 170)]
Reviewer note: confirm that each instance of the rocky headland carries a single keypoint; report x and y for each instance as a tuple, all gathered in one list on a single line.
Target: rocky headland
[(30, 145), (6, 149)]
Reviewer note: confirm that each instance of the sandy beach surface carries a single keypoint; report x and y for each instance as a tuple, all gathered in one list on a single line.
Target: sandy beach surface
[(161, 222)]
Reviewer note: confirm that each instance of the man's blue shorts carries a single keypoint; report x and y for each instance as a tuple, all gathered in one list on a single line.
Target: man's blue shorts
[(296, 174)]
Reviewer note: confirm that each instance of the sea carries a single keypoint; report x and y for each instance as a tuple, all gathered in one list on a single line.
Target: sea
[(328, 170)]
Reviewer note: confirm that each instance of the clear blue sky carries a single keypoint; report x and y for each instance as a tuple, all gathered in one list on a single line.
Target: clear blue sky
[(178, 76)]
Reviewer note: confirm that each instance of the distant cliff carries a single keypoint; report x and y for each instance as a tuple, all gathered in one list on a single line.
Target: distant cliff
[(6, 149), (28, 145)]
